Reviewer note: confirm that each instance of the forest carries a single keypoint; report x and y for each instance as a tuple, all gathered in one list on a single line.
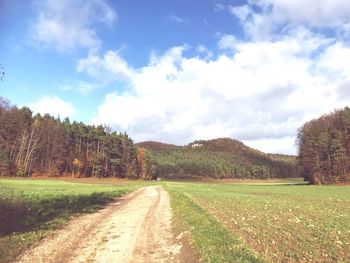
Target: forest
[(44, 145), (219, 158), (324, 148), (35, 145)]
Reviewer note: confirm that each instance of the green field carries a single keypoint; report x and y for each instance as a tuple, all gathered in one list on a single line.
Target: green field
[(226, 221), (264, 222), (30, 209)]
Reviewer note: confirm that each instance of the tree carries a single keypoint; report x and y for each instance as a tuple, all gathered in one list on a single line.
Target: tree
[(324, 148), (146, 164), (46, 145)]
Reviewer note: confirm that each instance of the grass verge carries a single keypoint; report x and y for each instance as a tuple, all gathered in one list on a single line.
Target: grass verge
[(31, 209), (212, 240)]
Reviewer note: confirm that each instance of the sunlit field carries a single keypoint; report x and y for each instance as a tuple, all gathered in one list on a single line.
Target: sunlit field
[(225, 221), (274, 222), (30, 209)]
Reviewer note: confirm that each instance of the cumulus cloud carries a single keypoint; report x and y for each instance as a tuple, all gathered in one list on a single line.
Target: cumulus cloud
[(53, 106), (69, 24), (260, 94), (259, 90), (108, 67), (203, 50), (336, 59), (227, 42), (261, 18)]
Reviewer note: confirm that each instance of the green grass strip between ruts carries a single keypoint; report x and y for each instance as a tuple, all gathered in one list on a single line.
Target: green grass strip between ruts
[(212, 240)]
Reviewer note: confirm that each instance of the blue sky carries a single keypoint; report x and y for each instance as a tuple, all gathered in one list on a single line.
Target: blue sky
[(176, 71)]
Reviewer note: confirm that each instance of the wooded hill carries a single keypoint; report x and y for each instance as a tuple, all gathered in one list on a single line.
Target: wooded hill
[(219, 158), (324, 148)]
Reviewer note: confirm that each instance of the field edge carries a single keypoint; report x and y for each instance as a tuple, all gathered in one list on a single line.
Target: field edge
[(211, 241), (13, 244)]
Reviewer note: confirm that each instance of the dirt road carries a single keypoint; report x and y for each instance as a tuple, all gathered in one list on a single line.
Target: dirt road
[(136, 228)]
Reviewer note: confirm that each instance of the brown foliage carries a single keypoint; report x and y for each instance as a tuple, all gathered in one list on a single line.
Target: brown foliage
[(324, 148)]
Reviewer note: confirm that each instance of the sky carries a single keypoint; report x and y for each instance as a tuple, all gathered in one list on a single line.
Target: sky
[(178, 71)]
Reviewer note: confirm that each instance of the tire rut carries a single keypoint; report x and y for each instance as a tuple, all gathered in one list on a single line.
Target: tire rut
[(135, 228)]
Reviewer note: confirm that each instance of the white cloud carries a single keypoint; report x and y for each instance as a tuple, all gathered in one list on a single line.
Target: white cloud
[(227, 42), (53, 106), (219, 7), (82, 87), (69, 24), (261, 91), (241, 12), (101, 68), (326, 13), (336, 59), (201, 49), (280, 145), (276, 16), (261, 94), (177, 19)]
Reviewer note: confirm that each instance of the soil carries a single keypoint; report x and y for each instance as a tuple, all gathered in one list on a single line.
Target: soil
[(135, 228)]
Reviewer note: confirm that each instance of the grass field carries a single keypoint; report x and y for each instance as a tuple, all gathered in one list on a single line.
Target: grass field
[(30, 209), (227, 221), (277, 222)]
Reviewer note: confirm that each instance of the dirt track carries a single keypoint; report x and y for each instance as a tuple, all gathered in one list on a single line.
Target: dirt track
[(136, 228)]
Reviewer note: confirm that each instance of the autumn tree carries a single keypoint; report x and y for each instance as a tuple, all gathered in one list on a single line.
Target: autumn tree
[(324, 148), (45, 145), (146, 163)]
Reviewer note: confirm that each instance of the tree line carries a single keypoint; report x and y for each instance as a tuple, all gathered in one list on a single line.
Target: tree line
[(324, 148), (45, 145), (33, 145)]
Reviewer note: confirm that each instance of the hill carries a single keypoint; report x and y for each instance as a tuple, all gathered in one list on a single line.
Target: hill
[(218, 158), (156, 146)]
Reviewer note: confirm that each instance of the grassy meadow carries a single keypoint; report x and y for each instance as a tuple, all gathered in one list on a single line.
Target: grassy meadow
[(273, 222), (30, 209)]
